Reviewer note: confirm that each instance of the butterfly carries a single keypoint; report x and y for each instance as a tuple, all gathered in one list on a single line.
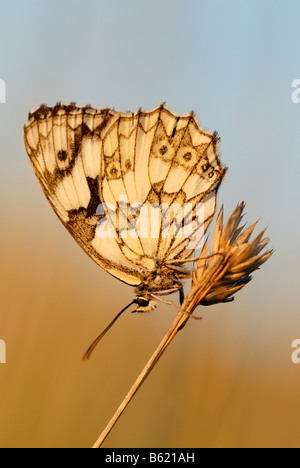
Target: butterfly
[(128, 187)]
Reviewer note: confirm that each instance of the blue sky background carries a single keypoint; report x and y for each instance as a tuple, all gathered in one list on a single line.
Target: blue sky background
[(231, 62)]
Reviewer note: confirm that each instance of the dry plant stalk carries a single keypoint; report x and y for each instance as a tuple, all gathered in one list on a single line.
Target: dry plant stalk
[(216, 278)]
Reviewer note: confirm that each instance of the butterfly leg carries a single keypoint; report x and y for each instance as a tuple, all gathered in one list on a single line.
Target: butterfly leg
[(181, 299), (181, 295)]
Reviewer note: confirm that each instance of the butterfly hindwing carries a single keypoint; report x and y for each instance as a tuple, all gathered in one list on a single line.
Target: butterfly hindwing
[(64, 145)]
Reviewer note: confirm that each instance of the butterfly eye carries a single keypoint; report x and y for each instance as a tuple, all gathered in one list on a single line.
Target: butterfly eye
[(142, 302), (211, 174), (205, 167)]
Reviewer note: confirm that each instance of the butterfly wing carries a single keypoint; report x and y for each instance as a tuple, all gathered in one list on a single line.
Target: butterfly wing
[(185, 173), (64, 145), (123, 183)]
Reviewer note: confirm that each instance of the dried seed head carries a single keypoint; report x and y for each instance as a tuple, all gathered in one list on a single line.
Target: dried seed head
[(234, 257)]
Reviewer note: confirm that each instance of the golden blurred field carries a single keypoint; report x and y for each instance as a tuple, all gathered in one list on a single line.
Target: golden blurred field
[(226, 381)]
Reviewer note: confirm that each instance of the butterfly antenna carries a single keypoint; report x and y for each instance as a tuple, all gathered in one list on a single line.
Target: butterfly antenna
[(94, 344)]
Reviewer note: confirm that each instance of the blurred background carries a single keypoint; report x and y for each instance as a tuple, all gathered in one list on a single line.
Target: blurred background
[(227, 381)]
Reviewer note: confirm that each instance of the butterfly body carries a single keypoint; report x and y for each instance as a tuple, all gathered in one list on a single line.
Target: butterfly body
[(127, 186)]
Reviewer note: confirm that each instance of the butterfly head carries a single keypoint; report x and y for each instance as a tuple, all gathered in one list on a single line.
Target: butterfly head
[(159, 283), (145, 304)]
